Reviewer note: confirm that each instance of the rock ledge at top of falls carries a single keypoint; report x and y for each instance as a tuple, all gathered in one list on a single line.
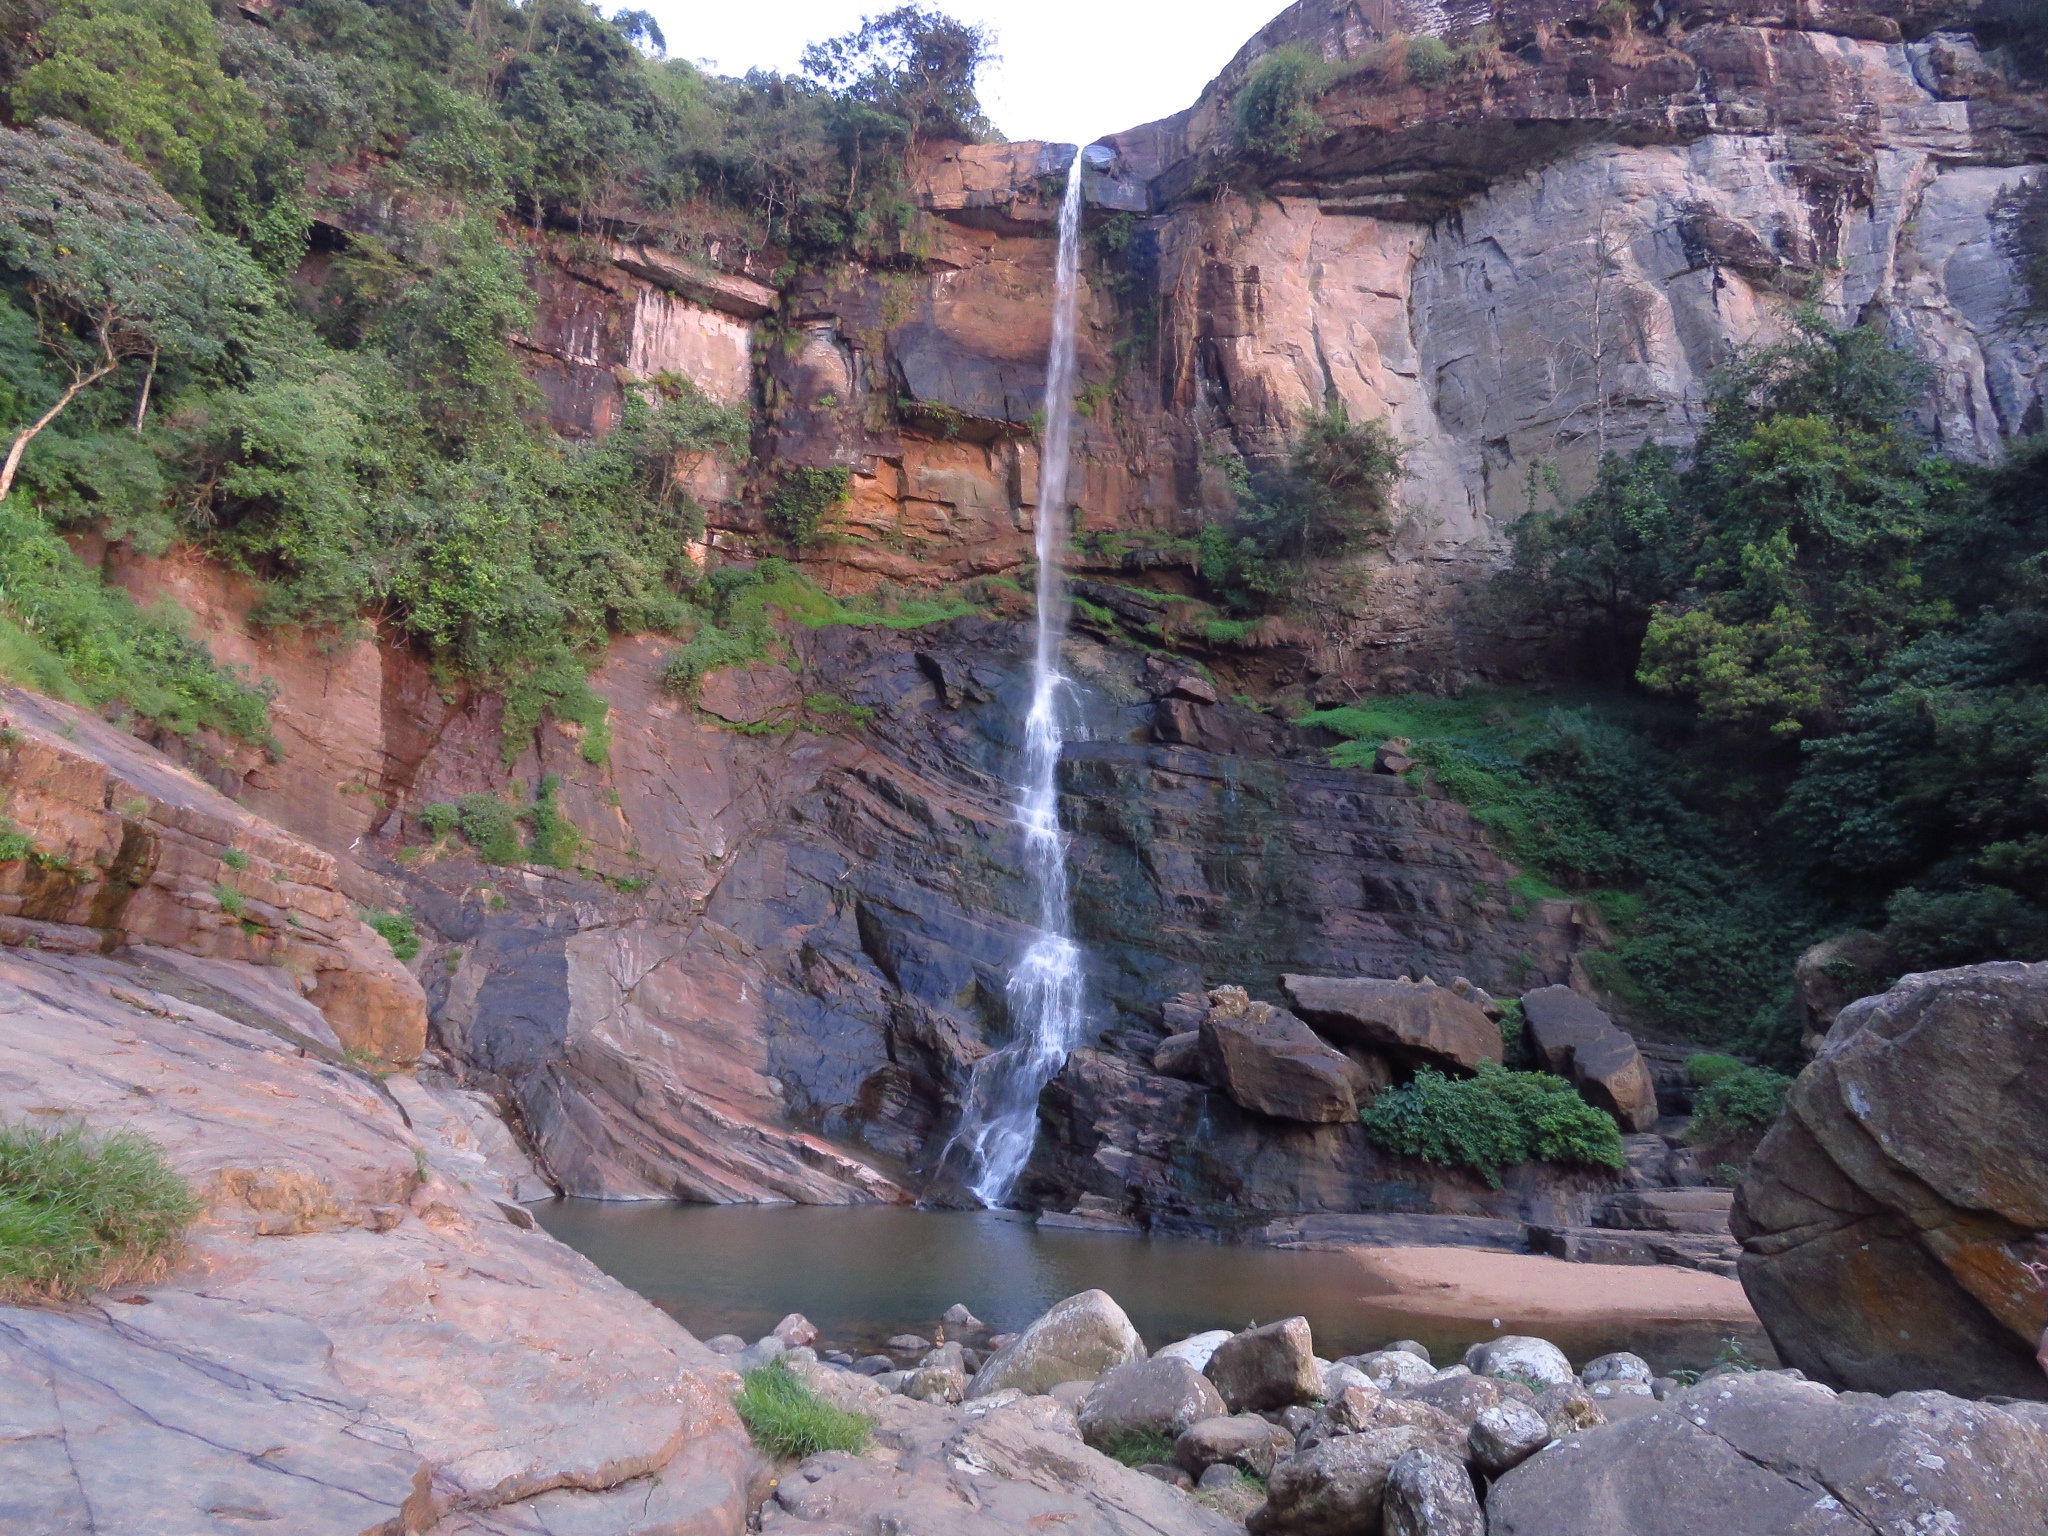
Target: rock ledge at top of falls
[(129, 848), (364, 1333)]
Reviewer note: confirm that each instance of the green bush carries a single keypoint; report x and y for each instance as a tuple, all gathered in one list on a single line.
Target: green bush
[(789, 1421), (1491, 1121), (1705, 1070), (80, 1212), (440, 819), (491, 827), (804, 499), (1429, 60), (706, 651), (1747, 1099), (1275, 109), (398, 930)]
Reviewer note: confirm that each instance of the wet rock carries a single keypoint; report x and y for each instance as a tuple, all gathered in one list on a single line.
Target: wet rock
[(1269, 1062), (1388, 1368), (873, 1365), (726, 1344), (1430, 1494), (1162, 1395), (1179, 1056), (1889, 1218), (1575, 1038), (1243, 1440), (1337, 1488), (1266, 1367), (796, 1331), (907, 1344), (1416, 1023), (1196, 1348), (1505, 1435), (1536, 1361), (1761, 1454), (1080, 1339), (960, 1320)]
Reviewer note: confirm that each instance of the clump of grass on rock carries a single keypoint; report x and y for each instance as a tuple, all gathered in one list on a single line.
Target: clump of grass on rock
[(788, 1420), (80, 1212)]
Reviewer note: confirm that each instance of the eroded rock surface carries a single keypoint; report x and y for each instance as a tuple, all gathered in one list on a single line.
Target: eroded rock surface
[(1574, 1037), (1415, 1024)]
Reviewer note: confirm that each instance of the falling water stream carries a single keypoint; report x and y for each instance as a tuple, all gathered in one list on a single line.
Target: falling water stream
[(1001, 1114)]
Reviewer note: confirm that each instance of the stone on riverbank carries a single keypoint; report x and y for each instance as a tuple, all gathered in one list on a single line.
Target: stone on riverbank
[(1764, 1454), (1505, 1435), (1575, 1038), (1267, 1367), (1537, 1361), (1197, 1348), (1080, 1339), (1161, 1395), (1389, 1368), (1244, 1441), (1338, 1487), (1413, 1022), (1430, 1494), (1889, 1219)]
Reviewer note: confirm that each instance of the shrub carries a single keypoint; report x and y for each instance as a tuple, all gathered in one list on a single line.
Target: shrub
[(1275, 109), (491, 827), (439, 819), (81, 1212), (1705, 1070), (1491, 1121), (232, 901), (1430, 60), (789, 1421), (1747, 1099), (398, 930), (706, 651), (804, 498)]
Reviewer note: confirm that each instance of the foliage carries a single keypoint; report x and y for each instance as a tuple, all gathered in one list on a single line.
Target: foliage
[(1275, 108), (1429, 60), (1491, 1121), (1706, 1069), (80, 1212), (804, 498), (491, 827), (789, 1421), (398, 930), (1747, 1099), (914, 64), (1141, 1447)]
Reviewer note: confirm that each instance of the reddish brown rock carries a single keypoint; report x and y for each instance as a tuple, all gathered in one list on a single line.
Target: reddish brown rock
[(1414, 1022), (1574, 1038), (751, 695), (1271, 1063)]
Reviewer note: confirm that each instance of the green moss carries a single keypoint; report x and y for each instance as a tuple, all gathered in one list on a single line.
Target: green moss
[(79, 1212), (790, 1422), (232, 902), (1706, 1069)]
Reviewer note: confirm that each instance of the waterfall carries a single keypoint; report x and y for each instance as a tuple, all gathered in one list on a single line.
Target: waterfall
[(1001, 1115)]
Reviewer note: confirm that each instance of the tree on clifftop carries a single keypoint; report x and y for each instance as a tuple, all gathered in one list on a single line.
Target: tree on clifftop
[(916, 65)]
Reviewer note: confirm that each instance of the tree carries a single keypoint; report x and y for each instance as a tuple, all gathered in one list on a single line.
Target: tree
[(915, 64), (113, 268)]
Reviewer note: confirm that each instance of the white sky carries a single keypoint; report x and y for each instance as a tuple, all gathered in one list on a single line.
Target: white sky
[(1071, 70)]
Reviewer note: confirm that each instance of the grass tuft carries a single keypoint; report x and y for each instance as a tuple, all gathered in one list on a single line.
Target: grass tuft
[(80, 1212), (1140, 1448), (789, 1421)]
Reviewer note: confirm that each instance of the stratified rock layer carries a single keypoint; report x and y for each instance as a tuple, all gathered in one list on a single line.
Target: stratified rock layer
[(1890, 1221)]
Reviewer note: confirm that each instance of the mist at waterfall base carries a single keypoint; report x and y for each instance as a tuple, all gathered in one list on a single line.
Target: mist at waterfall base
[(999, 1116)]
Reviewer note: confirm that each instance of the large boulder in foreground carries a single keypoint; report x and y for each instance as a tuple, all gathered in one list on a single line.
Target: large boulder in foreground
[(1081, 1338), (1269, 1367), (1575, 1038), (1763, 1455), (1273, 1064), (1414, 1022), (1890, 1219)]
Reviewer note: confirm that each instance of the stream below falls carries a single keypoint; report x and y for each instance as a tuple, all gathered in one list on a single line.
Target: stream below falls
[(862, 1273)]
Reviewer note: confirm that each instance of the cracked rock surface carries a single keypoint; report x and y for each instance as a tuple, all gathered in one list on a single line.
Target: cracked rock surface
[(1767, 1454), (364, 1334)]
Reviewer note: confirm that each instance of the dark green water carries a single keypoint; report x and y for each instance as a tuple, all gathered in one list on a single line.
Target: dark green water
[(864, 1273)]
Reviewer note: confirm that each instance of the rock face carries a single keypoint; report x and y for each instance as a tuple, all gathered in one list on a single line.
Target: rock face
[(1271, 1063), (131, 849), (1575, 1038), (1761, 1455), (1414, 1024), (1890, 1219), (1084, 1337), (361, 1336)]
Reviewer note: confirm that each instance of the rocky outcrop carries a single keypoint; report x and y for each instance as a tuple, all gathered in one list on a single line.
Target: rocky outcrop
[(1271, 1063), (1891, 1219), (124, 847), (1414, 1024), (364, 1334), (1575, 1038), (1762, 1454)]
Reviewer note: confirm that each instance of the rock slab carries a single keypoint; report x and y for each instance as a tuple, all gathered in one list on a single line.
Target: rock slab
[(1576, 1039), (1413, 1022), (1271, 1063)]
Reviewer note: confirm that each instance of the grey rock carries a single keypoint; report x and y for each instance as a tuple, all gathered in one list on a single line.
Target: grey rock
[(1196, 1348), (1462, 1397), (1761, 1455), (764, 1351), (838, 1357), (1220, 1475), (1569, 1408), (803, 1354), (960, 1320), (1072, 1394), (1537, 1361), (1179, 1056), (1430, 1494), (935, 1384), (1162, 1395), (796, 1331), (1703, 1211), (1271, 1063), (1337, 1488), (1243, 1440), (1617, 1367), (1575, 1038), (1418, 1024), (1391, 1367), (907, 1344), (1360, 1411), (874, 1365), (1411, 1347), (1267, 1367), (725, 1344), (1505, 1435), (1080, 1339), (1166, 1472), (947, 1357), (1341, 1375)]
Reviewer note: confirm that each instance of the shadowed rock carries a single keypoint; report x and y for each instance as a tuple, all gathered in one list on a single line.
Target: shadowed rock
[(1267, 1367), (1162, 1395), (1430, 1494), (1414, 1022), (1575, 1039), (1271, 1063)]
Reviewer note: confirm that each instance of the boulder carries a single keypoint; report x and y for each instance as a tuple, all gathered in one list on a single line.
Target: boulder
[(1389, 1368), (1337, 1488), (1244, 1441), (944, 1383), (1537, 1361), (1267, 1367), (1567, 1409), (1363, 1411), (1577, 1040), (1081, 1338), (1505, 1435), (763, 1351), (1829, 976), (1889, 1219), (1430, 1494), (796, 1331), (1271, 1063), (1162, 1396), (1464, 1397), (1702, 1211), (960, 1320), (1618, 1375), (1196, 1348), (1414, 1022), (1179, 1056), (1764, 1454)]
